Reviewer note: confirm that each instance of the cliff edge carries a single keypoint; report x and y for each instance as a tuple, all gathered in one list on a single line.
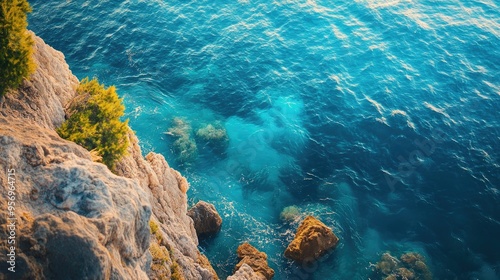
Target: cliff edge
[(71, 217)]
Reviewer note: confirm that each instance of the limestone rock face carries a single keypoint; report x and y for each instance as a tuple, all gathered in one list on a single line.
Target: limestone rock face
[(257, 260), (166, 190), (313, 239), (49, 90), (245, 272), (206, 219), (75, 218)]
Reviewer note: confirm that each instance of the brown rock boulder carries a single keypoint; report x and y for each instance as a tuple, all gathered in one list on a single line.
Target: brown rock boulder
[(206, 219), (313, 239), (254, 258)]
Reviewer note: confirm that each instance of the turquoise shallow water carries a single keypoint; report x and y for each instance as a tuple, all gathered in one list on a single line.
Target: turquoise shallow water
[(379, 117)]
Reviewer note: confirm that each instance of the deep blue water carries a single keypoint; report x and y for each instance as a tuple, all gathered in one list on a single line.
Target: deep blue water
[(382, 118)]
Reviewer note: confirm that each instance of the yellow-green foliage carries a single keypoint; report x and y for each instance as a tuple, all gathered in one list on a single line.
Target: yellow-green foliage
[(160, 262), (155, 231), (153, 227), (185, 146), (159, 253), (409, 266), (16, 44), (176, 272), (95, 121)]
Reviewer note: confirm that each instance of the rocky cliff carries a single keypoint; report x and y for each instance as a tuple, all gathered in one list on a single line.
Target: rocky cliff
[(71, 217)]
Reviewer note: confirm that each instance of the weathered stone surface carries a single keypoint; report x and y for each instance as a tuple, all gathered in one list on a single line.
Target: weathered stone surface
[(75, 206), (166, 190), (206, 219), (44, 96), (245, 272), (254, 258), (313, 239)]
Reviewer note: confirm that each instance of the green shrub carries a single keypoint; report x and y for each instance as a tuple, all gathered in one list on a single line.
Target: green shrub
[(176, 272), (160, 261), (153, 227), (16, 44), (94, 121)]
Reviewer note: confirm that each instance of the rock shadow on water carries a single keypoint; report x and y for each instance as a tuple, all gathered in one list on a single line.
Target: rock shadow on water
[(255, 181), (298, 184), (229, 102)]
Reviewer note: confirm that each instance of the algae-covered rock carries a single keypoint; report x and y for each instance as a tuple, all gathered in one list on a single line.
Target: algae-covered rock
[(313, 239), (409, 266), (184, 146), (387, 264), (290, 213), (213, 136)]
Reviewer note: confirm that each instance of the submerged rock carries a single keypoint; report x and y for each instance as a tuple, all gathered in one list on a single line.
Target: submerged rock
[(290, 213), (214, 136), (255, 259), (313, 239), (206, 219), (409, 266), (184, 146)]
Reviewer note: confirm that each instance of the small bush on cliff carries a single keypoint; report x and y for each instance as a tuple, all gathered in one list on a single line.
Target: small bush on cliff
[(94, 121), (16, 44), (176, 272)]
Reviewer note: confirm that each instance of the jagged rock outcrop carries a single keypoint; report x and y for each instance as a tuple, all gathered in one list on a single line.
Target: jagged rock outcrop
[(167, 194), (206, 219), (44, 96), (255, 259), (77, 219), (313, 239), (245, 272)]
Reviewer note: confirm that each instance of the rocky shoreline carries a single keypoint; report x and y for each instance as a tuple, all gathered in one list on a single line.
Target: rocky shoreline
[(75, 219)]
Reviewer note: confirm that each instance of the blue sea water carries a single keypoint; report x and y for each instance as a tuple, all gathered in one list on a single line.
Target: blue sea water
[(381, 118)]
